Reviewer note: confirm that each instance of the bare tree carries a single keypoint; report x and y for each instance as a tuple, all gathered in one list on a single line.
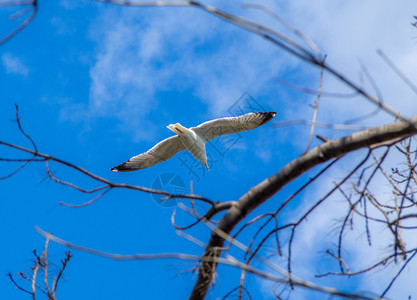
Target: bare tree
[(229, 219), (41, 265)]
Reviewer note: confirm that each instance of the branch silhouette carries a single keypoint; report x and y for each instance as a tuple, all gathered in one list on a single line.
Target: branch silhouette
[(361, 202), (385, 135)]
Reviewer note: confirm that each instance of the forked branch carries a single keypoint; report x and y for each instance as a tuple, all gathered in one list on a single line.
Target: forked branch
[(371, 138)]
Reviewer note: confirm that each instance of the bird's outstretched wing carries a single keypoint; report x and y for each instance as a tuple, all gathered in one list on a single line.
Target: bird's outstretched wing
[(214, 128), (162, 151)]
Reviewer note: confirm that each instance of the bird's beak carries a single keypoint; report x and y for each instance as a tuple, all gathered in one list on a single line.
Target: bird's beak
[(177, 128), (207, 166), (173, 128)]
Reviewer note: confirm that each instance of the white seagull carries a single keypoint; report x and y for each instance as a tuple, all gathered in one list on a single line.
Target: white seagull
[(194, 139)]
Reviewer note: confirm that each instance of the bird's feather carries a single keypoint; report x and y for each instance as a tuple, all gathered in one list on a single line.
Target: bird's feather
[(205, 132), (214, 128), (162, 151)]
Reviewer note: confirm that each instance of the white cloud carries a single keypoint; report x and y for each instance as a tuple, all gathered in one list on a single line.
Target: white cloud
[(144, 51), (63, 27), (14, 65), (160, 51), (320, 232), (349, 31), (70, 5)]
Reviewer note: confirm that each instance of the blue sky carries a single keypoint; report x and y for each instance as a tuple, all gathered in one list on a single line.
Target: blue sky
[(97, 84)]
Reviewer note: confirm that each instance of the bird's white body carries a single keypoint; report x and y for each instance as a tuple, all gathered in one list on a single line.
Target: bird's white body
[(193, 142), (194, 139)]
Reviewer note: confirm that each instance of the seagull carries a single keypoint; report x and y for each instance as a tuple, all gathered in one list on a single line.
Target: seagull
[(194, 139)]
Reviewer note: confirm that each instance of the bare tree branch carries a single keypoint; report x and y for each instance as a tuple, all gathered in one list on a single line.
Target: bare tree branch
[(397, 71), (108, 185), (213, 259), (267, 188), (33, 4), (280, 40), (320, 124), (398, 274), (366, 206), (40, 264), (316, 108)]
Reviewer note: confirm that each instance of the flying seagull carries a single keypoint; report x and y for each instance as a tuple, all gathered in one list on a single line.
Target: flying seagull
[(194, 139)]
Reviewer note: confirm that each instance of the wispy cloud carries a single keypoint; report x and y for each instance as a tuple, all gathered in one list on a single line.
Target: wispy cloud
[(14, 65), (348, 33), (156, 50), (353, 32), (143, 52), (63, 27)]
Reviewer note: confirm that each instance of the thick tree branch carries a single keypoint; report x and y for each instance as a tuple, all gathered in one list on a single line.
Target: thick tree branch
[(257, 195)]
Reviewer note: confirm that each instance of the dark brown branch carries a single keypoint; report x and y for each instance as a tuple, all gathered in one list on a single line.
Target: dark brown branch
[(314, 92), (19, 125), (397, 71), (17, 285), (337, 186), (213, 259), (267, 188), (86, 203), (71, 185), (339, 259), (40, 264), (398, 274), (25, 161), (25, 23), (109, 184), (380, 263), (37, 156), (240, 289), (64, 264), (280, 40), (320, 124), (16, 170)]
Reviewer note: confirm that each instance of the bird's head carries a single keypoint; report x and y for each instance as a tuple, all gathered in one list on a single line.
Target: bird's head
[(177, 128)]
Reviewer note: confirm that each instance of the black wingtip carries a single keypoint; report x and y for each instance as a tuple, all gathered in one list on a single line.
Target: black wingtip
[(268, 116), (121, 168), (124, 167)]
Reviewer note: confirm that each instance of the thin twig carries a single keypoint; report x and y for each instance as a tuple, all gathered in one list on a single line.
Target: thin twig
[(230, 262), (316, 108), (398, 274), (397, 71), (25, 23), (17, 285), (320, 124)]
